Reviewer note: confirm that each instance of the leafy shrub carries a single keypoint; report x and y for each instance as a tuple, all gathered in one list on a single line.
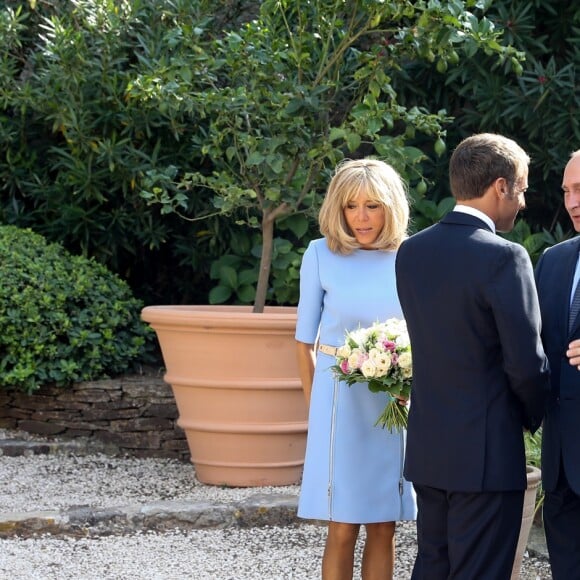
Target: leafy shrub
[(75, 148), (63, 318), (536, 242), (533, 448), (537, 107), (237, 273), (534, 457)]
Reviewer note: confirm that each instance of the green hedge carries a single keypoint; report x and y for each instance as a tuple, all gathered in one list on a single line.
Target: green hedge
[(63, 318)]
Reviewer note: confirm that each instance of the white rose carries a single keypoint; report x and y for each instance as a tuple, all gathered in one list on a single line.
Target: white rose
[(402, 340), (405, 360), (354, 359), (344, 351), (380, 344), (381, 360), (368, 369)]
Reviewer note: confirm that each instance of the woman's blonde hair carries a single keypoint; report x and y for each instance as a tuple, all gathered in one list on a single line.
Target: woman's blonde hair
[(383, 185)]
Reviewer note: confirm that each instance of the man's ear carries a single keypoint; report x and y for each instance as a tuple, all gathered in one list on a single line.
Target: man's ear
[(501, 187)]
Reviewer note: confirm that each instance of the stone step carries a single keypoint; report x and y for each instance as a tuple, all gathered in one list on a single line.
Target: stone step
[(19, 447), (257, 510)]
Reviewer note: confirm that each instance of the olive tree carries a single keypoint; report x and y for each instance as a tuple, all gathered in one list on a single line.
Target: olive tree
[(283, 98)]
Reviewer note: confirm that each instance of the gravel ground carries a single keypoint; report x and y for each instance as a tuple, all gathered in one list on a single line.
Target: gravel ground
[(102, 481), (268, 553), (48, 482)]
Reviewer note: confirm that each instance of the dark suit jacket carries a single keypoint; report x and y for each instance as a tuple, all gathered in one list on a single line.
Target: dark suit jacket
[(561, 430), (480, 375)]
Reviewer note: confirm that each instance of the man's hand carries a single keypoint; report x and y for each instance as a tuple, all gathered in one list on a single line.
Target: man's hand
[(573, 353)]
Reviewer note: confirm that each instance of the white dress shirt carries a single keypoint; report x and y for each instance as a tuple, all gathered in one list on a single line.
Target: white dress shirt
[(477, 213)]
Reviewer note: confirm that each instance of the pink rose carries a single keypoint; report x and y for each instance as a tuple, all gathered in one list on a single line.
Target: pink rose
[(389, 345)]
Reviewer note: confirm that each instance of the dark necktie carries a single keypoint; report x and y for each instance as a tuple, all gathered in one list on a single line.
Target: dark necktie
[(574, 307)]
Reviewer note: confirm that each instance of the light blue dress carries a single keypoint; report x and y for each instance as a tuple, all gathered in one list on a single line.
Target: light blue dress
[(353, 471)]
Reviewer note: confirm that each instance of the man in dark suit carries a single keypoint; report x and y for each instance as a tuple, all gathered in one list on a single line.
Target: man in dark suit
[(480, 375), (557, 275)]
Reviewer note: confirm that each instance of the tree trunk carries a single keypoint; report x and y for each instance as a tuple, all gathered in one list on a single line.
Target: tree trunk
[(265, 262)]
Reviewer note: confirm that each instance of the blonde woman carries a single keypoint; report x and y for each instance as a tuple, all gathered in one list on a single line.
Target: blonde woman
[(353, 472)]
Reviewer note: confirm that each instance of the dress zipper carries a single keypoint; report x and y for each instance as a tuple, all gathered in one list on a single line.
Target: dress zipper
[(332, 436)]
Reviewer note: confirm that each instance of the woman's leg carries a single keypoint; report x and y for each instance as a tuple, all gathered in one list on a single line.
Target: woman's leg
[(338, 559), (379, 552)]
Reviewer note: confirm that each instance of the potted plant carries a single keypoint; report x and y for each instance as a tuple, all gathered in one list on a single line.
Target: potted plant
[(533, 497), (278, 102)]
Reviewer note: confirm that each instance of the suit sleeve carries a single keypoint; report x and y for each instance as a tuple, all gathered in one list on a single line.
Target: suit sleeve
[(517, 316), (539, 265)]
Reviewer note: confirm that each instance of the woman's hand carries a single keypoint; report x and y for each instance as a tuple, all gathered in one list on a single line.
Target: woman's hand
[(306, 358)]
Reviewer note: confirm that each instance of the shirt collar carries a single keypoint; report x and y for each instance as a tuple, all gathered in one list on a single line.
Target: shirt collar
[(477, 213)]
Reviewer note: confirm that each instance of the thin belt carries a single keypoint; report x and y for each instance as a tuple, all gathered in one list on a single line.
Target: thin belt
[(331, 350)]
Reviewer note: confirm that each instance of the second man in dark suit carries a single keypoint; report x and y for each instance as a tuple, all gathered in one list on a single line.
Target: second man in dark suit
[(557, 274), (480, 375)]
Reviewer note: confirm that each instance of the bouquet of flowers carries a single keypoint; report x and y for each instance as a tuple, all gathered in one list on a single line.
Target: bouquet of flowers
[(379, 355)]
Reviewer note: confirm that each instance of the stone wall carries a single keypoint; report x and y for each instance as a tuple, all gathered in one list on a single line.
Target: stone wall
[(133, 414)]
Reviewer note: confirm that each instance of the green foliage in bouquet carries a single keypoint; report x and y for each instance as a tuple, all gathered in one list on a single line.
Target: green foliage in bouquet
[(63, 318)]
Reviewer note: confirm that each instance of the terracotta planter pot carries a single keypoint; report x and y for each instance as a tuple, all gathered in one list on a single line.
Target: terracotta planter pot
[(534, 476), (235, 380)]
